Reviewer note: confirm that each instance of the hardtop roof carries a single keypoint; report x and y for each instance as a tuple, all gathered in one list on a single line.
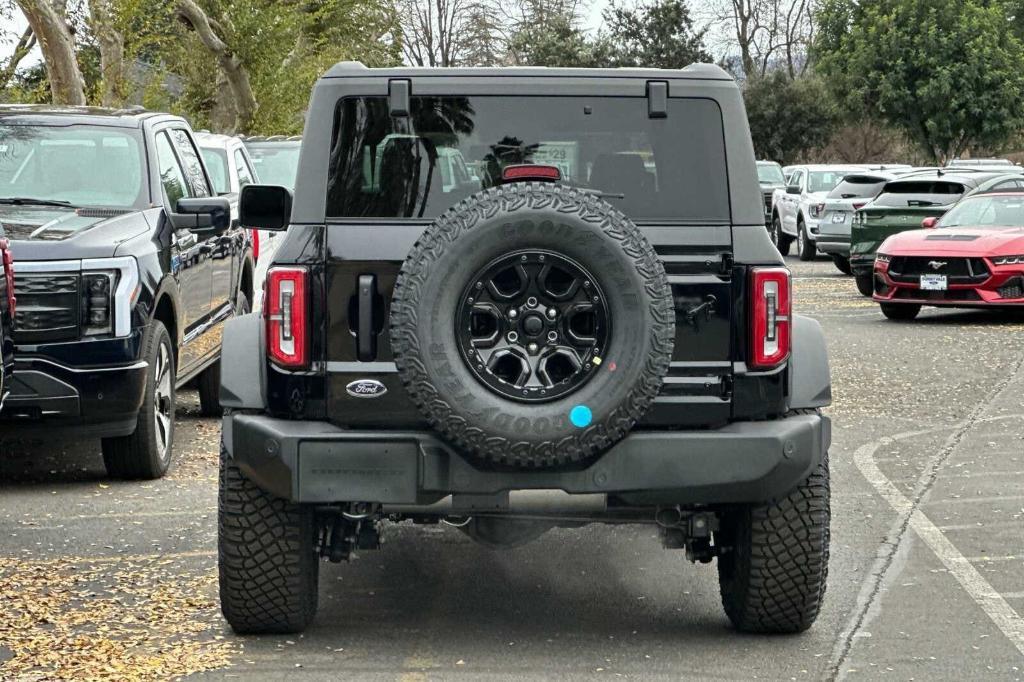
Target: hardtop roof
[(693, 72)]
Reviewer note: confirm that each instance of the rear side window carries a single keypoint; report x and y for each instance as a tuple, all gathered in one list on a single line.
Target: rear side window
[(919, 193), (242, 169), (217, 166), (671, 168), (857, 187)]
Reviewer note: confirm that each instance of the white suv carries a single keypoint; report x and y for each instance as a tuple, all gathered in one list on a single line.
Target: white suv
[(797, 208)]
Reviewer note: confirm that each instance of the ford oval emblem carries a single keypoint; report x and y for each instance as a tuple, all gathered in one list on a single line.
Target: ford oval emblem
[(366, 388)]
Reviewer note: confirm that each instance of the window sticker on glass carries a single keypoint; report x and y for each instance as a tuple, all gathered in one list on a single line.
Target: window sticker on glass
[(564, 155)]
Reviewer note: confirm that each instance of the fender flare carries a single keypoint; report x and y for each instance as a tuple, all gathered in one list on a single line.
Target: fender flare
[(243, 366), (809, 377)]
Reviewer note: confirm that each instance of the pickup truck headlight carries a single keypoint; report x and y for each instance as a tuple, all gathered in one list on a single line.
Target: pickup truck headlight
[(1008, 260), (97, 313), (110, 286)]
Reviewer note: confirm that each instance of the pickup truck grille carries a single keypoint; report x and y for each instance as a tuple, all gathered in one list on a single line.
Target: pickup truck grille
[(48, 307), (959, 270)]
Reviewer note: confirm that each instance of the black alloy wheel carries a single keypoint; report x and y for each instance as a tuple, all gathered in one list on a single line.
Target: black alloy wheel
[(532, 325)]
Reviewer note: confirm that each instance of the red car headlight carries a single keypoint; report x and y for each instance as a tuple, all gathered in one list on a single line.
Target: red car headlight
[(1008, 260)]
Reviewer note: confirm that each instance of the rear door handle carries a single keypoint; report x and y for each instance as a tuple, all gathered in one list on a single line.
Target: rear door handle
[(366, 334)]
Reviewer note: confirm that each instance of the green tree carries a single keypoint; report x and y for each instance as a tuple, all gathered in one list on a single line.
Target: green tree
[(559, 41), (788, 117), (947, 73), (660, 35)]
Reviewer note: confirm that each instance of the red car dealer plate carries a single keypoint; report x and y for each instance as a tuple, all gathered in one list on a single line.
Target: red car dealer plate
[(934, 282)]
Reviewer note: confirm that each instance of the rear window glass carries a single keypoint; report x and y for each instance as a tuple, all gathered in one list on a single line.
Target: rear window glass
[(919, 193), (451, 147), (824, 181), (857, 187), (770, 173)]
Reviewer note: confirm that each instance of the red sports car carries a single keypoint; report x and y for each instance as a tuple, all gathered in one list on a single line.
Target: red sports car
[(973, 257)]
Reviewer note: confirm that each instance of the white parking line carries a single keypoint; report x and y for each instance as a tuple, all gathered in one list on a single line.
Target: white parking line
[(990, 601)]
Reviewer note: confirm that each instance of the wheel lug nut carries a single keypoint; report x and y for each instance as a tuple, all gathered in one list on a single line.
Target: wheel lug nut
[(552, 336), (532, 348), (532, 302), (513, 314), (513, 337), (552, 313)]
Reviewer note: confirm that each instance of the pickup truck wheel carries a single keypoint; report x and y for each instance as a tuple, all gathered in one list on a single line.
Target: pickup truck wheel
[(806, 248), (781, 240), (266, 557), (773, 571), (842, 263), (865, 283), (147, 452), (208, 382), (532, 324), (900, 311)]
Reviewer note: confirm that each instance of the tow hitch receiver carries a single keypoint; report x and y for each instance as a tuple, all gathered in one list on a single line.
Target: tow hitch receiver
[(691, 531)]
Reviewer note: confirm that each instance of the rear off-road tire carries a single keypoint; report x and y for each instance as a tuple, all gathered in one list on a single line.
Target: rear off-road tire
[(266, 555), (774, 565)]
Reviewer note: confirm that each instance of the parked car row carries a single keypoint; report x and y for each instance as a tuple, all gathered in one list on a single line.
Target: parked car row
[(130, 259), (950, 236)]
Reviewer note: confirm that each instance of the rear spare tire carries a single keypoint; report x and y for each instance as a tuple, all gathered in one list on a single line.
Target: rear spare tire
[(532, 324)]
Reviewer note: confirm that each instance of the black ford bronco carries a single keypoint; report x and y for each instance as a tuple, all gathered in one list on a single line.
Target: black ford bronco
[(127, 268), (515, 299)]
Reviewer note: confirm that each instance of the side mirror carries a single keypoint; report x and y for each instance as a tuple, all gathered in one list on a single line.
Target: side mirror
[(202, 215), (265, 207), (929, 222), (793, 189)]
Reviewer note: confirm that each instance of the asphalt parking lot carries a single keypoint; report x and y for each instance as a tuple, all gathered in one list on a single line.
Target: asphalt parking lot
[(926, 577)]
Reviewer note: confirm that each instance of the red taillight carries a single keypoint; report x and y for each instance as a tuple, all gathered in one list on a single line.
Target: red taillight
[(770, 317), (8, 263), (285, 307), (255, 245), (531, 171), (859, 206)]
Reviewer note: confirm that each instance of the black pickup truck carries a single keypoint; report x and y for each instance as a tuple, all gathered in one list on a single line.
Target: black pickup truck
[(128, 268), (514, 317)]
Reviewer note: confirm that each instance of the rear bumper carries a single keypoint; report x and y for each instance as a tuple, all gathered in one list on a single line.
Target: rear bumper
[(834, 244), (317, 462), (46, 397)]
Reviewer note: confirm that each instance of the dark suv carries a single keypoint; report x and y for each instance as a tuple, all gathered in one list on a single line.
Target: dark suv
[(7, 310), (519, 317), (128, 268)]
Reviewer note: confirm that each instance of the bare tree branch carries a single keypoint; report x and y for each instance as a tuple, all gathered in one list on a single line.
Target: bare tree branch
[(25, 43)]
